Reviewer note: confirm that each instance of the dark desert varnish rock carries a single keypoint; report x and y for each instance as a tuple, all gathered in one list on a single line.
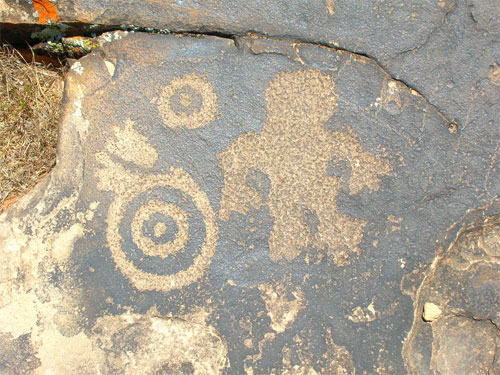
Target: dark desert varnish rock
[(258, 206)]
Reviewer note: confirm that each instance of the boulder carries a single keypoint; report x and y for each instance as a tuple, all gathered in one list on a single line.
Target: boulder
[(252, 205)]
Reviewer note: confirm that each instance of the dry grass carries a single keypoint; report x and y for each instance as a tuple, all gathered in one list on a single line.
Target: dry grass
[(30, 101)]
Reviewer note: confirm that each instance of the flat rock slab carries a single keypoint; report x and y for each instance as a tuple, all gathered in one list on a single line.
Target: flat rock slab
[(351, 24), (448, 50), (249, 207)]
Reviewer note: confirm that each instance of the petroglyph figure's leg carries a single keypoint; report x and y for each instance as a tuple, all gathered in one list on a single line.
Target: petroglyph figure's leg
[(237, 195)]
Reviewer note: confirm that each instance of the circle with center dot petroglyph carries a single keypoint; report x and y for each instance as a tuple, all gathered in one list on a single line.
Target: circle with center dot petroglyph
[(188, 101), (188, 271), (149, 246)]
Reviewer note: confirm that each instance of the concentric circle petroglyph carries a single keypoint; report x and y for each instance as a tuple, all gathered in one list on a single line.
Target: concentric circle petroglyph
[(177, 180), (145, 243), (188, 101)]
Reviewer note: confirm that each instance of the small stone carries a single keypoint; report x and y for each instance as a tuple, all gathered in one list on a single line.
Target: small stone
[(431, 312)]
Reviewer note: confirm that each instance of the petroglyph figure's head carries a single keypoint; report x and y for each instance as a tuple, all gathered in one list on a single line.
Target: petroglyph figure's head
[(304, 95)]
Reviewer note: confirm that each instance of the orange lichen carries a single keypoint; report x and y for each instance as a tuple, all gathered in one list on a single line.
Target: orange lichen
[(47, 12)]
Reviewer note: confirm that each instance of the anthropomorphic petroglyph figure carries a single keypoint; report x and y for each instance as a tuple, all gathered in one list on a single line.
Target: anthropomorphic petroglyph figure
[(294, 149)]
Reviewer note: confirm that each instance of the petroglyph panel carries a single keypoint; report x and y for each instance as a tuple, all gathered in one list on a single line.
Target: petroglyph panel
[(259, 207)]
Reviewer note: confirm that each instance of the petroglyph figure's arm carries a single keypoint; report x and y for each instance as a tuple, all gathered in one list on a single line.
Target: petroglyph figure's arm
[(365, 166)]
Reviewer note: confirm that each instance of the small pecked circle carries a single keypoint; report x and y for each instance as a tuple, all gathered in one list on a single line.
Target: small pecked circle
[(147, 245), (188, 101)]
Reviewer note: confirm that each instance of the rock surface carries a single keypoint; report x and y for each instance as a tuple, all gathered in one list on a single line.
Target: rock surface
[(464, 287), (255, 205), (382, 29), (448, 50)]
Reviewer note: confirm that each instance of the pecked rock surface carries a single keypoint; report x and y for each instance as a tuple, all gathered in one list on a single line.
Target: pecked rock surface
[(256, 206)]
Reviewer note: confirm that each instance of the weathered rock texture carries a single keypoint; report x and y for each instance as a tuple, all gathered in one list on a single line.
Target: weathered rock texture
[(462, 288), (256, 205)]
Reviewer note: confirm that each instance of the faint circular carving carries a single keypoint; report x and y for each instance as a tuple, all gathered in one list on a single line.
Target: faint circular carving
[(188, 101)]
